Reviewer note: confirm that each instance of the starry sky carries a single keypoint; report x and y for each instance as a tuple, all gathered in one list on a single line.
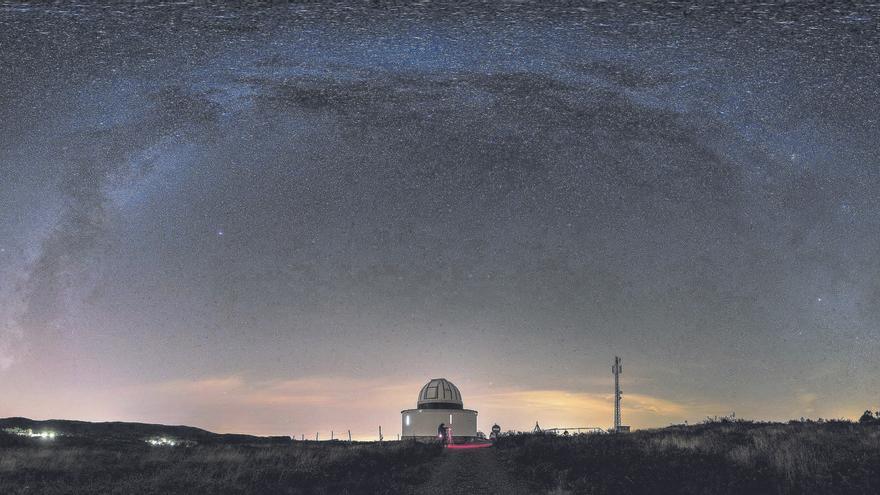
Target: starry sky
[(285, 218)]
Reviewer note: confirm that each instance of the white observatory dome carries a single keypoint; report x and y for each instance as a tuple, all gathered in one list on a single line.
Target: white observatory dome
[(440, 393), (439, 404)]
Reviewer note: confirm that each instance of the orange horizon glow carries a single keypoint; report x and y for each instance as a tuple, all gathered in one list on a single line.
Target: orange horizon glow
[(304, 406)]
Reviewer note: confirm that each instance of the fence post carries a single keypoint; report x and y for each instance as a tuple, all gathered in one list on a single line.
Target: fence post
[(349, 436)]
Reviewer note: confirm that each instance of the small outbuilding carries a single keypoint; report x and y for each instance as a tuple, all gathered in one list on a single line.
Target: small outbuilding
[(439, 403)]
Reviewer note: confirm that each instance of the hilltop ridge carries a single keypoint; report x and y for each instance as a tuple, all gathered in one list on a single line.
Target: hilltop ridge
[(121, 431)]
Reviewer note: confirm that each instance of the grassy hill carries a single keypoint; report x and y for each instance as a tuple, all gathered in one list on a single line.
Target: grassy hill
[(715, 458), (84, 432), (727, 457), (101, 458)]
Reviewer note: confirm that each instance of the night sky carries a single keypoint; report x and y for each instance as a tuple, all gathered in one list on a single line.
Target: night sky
[(283, 219)]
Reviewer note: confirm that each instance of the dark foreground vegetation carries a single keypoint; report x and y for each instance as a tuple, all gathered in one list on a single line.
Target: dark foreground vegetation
[(129, 465), (724, 457)]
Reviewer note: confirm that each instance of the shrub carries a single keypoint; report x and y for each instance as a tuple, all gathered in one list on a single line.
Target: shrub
[(870, 418)]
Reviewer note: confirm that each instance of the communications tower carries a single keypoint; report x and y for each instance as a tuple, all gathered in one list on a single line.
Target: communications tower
[(617, 369)]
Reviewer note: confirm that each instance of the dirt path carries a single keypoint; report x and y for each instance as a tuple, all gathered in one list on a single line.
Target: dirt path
[(471, 472)]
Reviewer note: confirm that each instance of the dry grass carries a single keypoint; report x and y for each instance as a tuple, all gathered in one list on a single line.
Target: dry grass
[(716, 458), (726, 457), (293, 468)]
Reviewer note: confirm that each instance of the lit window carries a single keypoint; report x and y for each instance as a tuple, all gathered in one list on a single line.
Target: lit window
[(407, 420)]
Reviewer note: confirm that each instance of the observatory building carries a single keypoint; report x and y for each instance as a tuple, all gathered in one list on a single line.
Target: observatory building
[(439, 402)]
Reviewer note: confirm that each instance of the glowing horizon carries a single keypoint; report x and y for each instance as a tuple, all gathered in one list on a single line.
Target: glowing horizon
[(215, 403)]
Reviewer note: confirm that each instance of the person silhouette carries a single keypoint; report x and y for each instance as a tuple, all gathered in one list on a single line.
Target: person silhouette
[(496, 432)]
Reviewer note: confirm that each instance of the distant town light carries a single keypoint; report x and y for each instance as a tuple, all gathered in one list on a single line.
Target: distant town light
[(156, 442), (31, 433)]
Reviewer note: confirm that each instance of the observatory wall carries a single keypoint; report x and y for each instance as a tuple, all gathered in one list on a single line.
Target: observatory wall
[(422, 424)]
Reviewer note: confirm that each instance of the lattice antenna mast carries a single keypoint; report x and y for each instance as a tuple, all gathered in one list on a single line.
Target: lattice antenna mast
[(617, 369)]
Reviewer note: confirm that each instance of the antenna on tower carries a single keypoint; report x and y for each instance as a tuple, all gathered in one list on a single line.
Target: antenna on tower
[(617, 369)]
